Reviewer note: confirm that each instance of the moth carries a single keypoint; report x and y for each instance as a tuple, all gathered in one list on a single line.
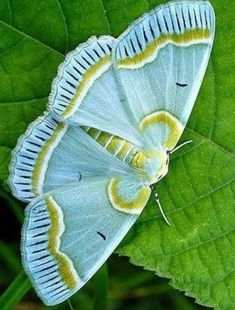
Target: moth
[(116, 111)]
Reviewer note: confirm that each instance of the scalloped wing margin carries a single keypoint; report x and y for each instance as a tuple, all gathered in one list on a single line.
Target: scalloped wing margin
[(69, 233), (161, 60)]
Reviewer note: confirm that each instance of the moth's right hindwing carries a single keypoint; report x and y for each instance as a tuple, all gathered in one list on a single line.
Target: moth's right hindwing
[(31, 156), (52, 154)]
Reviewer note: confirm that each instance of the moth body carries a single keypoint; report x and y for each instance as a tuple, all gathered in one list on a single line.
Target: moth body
[(152, 165)]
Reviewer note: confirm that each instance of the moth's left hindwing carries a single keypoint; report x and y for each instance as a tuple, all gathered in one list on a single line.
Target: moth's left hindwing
[(69, 233), (85, 91)]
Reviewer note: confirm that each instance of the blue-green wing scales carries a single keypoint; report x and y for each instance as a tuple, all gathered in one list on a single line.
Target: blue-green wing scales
[(69, 233)]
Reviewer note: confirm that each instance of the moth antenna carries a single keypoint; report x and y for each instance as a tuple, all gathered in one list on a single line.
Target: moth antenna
[(159, 205), (179, 146)]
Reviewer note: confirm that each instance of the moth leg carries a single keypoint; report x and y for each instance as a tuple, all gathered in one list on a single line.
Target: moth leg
[(159, 205)]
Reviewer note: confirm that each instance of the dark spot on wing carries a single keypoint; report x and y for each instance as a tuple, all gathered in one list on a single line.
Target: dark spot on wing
[(181, 84), (101, 235)]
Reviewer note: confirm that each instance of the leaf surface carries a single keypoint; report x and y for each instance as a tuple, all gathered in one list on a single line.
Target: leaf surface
[(197, 252)]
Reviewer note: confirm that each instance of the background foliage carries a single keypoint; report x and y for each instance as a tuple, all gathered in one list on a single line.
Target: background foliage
[(198, 251)]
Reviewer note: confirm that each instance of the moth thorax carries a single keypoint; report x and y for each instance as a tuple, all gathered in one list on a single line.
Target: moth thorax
[(152, 164), (138, 160)]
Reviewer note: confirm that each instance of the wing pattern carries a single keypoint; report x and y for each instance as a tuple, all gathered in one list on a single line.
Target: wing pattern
[(161, 60), (116, 109)]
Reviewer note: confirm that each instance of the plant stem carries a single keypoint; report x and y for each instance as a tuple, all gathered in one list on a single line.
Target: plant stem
[(13, 294)]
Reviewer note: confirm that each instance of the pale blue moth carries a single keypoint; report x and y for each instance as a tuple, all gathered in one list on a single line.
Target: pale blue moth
[(117, 109)]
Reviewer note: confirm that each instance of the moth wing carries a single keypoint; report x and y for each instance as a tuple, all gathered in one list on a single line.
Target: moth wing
[(69, 233), (161, 60), (52, 154), (86, 92)]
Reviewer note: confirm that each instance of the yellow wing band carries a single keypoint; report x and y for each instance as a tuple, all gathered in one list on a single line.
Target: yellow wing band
[(93, 73), (187, 38), (65, 265), (134, 206), (43, 158), (175, 128)]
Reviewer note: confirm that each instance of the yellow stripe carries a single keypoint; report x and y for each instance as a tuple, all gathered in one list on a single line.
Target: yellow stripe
[(92, 132), (103, 138), (124, 149), (87, 77), (134, 206), (114, 143), (40, 161), (165, 118), (54, 234), (178, 39)]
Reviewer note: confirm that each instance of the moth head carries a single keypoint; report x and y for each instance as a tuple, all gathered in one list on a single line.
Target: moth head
[(152, 163)]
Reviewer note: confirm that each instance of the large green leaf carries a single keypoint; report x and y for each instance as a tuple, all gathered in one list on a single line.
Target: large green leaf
[(198, 251)]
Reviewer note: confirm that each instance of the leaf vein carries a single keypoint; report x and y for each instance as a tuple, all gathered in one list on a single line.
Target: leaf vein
[(31, 38), (10, 11), (105, 16), (190, 203), (215, 144), (65, 25)]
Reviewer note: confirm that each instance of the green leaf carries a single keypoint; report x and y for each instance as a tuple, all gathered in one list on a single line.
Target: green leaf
[(197, 252), (100, 284), (11, 261), (18, 288)]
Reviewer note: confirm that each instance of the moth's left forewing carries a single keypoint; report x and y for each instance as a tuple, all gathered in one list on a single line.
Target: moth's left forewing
[(161, 60)]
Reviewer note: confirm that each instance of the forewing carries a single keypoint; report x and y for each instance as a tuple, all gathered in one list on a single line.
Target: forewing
[(161, 60), (69, 233)]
